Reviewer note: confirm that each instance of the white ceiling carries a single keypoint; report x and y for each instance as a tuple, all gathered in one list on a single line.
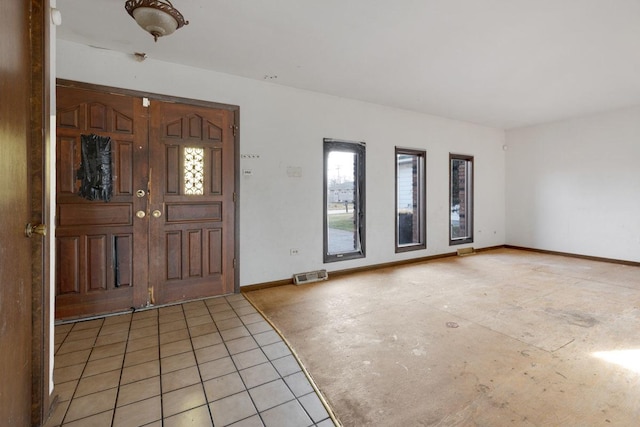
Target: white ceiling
[(502, 63)]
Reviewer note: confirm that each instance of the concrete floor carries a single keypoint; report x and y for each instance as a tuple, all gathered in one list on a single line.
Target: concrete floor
[(504, 337)]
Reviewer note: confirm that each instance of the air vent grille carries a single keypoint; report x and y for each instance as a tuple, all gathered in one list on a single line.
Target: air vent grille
[(311, 276)]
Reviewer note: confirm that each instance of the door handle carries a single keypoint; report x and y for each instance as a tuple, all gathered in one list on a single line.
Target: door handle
[(156, 213), (40, 229), (141, 214)]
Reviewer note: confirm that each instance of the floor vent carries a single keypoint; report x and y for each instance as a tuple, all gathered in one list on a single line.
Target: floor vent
[(466, 251), (311, 276)]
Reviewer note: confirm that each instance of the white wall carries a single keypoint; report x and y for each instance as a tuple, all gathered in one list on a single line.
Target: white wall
[(573, 186), (285, 127)]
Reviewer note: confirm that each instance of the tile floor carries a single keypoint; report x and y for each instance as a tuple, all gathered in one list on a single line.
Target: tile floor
[(213, 362)]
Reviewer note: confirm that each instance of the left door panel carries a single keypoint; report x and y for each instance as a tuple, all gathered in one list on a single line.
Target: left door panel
[(101, 246)]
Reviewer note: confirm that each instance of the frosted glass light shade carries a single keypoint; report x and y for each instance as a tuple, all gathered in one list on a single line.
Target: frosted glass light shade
[(155, 21), (157, 17)]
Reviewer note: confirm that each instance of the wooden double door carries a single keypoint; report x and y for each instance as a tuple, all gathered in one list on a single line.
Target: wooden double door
[(165, 232)]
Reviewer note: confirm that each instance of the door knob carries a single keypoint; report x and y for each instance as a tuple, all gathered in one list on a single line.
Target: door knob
[(140, 214), (156, 213), (40, 229)]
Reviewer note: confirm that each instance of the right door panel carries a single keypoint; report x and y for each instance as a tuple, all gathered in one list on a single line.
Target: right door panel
[(191, 202)]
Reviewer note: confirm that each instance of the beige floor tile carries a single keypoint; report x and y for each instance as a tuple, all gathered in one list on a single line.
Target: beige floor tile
[(286, 365), (266, 338), (207, 354), (72, 358), (139, 390), (314, 407), (180, 379), (58, 414), (176, 347), (148, 331), (298, 384), (112, 338), (183, 399), (253, 421), (259, 374), (172, 326), (171, 317), (197, 417), (117, 319), (252, 318), (65, 390), (149, 322), (83, 334), (198, 330), (199, 320), (68, 373), (142, 343), (88, 324), (115, 328), (96, 383), (138, 413), (140, 372), (258, 327), (77, 345), (180, 334), (141, 356), (243, 311), (289, 414), (232, 334), (102, 419), (92, 404), (178, 361), (206, 340), (223, 386), (107, 350), (249, 358), (270, 395), (216, 368), (232, 408), (276, 351), (228, 313), (106, 364), (231, 323), (241, 344)]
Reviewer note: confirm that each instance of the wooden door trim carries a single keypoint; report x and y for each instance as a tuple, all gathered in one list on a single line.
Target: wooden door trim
[(199, 103), (150, 95), (40, 133)]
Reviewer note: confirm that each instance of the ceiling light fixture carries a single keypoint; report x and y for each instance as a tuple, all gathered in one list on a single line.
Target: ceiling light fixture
[(157, 17)]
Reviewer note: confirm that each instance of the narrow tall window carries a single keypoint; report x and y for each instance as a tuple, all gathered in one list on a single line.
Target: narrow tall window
[(460, 199), (344, 221), (410, 199)]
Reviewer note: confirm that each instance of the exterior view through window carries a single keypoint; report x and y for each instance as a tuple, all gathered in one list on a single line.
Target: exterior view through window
[(410, 200), (344, 223), (461, 199)]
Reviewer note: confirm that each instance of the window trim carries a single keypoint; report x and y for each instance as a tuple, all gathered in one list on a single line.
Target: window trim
[(359, 149), (470, 197), (422, 201)]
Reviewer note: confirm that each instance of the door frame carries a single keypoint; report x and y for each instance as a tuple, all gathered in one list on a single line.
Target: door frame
[(40, 186), (199, 103)]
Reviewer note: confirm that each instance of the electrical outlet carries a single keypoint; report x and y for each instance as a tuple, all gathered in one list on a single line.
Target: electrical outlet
[(293, 252)]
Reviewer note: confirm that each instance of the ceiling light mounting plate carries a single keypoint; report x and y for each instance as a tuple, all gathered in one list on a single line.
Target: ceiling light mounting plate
[(157, 17)]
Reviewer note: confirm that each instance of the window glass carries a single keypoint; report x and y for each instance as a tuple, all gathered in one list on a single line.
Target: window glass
[(461, 199), (344, 200), (410, 199)]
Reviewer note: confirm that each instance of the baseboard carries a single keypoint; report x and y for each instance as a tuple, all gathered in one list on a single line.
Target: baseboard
[(572, 255), (275, 283)]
